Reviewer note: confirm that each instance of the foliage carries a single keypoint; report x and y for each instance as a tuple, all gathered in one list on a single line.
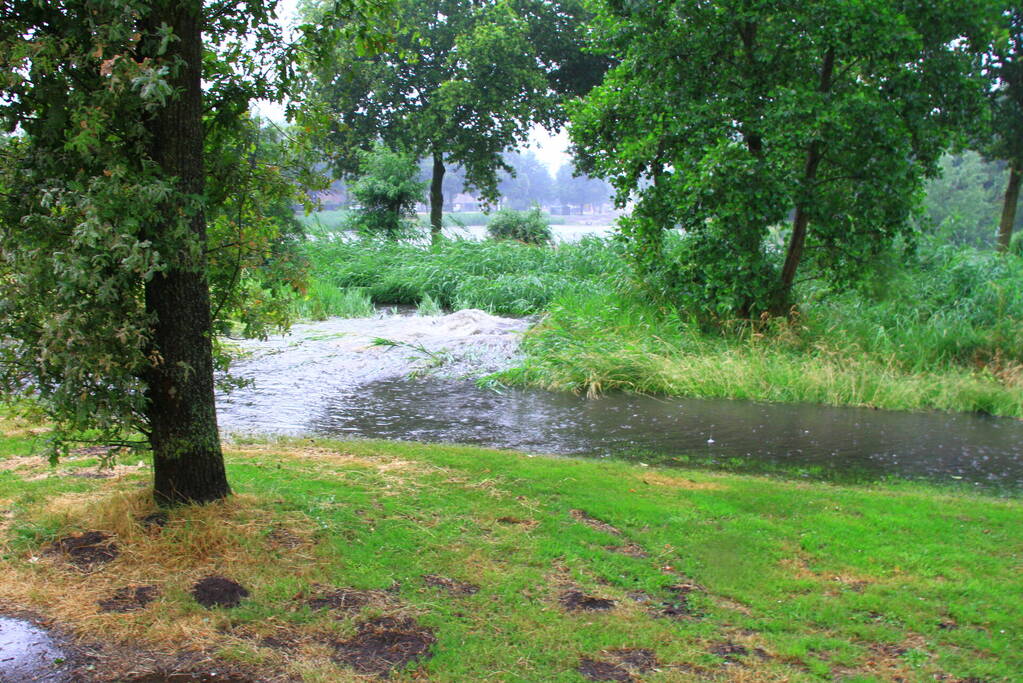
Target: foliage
[(529, 184), (98, 225), (528, 227), (944, 331), (501, 277), (723, 118), (465, 82), (324, 300), (1004, 139), (961, 205), (387, 191)]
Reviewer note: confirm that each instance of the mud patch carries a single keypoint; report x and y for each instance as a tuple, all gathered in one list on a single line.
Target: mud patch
[(596, 670), (636, 658), (342, 599), (577, 601), (631, 549), (87, 551), (594, 523), (280, 538), (677, 605), (129, 599), (191, 677), (451, 585), (385, 644), (218, 591), (732, 652), (515, 521)]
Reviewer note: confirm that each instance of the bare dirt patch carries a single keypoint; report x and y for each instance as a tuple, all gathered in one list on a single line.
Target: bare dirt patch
[(129, 599), (451, 585), (593, 522), (87, 551), (577, 601), (281, 538), (596, 670), (385, 644), (630, 549), (677, 605), (638, 659), (733, 653), (342, 599), (218, 591)]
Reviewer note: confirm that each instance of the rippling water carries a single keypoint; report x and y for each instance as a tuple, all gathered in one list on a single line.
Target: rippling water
[(329, 380)]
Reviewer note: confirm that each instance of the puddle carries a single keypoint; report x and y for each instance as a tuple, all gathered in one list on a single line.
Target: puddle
[(30, 653)]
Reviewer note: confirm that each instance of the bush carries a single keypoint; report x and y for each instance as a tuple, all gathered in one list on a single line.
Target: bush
[(529, 227), (387, 191)]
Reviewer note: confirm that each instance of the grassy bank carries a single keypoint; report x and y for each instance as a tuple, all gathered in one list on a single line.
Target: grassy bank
[(483, 565), (944, 332)]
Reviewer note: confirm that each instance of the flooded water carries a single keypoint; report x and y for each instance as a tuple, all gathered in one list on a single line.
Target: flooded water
[(329, 381), (29, 653)]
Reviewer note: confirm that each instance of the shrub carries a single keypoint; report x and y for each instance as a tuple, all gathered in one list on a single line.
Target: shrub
[(529, 227)]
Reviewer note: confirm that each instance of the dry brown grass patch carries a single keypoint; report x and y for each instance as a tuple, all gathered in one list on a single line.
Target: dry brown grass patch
[(227, 538)]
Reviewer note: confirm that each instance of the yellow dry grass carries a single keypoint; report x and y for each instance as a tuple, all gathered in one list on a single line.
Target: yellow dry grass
[(233, 538)]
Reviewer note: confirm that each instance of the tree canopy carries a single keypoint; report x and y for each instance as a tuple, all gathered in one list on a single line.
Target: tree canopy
[(464, 83), (727, 119)]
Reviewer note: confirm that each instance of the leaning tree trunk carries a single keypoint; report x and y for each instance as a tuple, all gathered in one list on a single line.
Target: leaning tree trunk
[(801, 221), (1009, 207), (437, 197), (187, 460)]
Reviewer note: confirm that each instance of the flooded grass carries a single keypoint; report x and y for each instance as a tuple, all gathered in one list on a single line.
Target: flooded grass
[(456, 563)]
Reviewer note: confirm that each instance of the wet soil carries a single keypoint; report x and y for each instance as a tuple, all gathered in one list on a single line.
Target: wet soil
[(218, 591), (596, 670), (732, 653), (577, 601), (630, 549), (385, 644), (192, 677), (451, 585), (129, 599), (677, 605), (342, 599), (87, 551), (639, 659)]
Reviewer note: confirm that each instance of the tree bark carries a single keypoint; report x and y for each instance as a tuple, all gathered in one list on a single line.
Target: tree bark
[(437, 197), (187, 460), (801, 220), (1009, 208)]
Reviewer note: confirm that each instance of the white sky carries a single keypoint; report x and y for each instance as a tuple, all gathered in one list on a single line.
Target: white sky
[(552, 150)]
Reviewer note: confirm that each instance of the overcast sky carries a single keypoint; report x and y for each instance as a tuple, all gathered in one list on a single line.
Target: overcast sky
[(552, 150)]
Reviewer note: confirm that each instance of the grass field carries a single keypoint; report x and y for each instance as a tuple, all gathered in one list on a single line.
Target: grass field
[(462, 564)]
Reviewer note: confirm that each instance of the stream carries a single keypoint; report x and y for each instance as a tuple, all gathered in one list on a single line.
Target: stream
[(407, 377)]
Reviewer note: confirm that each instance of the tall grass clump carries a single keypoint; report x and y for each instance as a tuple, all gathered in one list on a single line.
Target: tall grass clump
[(324, 299), (943, 331), (504, 278)]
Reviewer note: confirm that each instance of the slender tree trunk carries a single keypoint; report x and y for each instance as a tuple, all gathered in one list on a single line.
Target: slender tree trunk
[(188, 463), (437, 197), (801, 220), (1009, 207)]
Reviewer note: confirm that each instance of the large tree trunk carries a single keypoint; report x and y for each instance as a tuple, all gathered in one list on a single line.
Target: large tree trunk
[(801, 220), (437, 197), (188, 463), (1009, 207)]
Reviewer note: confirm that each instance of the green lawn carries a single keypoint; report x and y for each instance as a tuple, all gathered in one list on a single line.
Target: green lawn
[(713, 575)]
